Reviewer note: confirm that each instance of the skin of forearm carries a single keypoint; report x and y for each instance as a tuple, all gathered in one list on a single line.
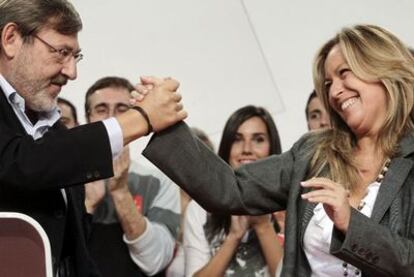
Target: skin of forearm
[(218, 264), (269, 243), (132, 221), (133, 125)]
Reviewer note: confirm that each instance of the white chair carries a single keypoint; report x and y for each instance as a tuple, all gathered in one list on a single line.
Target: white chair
[(24, 247)]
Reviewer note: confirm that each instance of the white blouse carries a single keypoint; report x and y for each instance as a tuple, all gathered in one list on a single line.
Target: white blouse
[(318, 236)]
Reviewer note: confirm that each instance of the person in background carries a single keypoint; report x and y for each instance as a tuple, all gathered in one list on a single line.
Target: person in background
[(68, 115), (135, 217), (316, 115), (224, 245), (43, 164), (347, 190)]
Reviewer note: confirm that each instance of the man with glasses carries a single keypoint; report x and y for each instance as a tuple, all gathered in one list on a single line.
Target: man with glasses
[(135, 216), (42, 164)]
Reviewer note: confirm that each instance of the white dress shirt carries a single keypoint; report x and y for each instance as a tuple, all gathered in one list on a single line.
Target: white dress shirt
[(318, 237)]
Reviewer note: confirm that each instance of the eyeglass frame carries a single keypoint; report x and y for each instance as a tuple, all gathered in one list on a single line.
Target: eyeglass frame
[(64, 53)]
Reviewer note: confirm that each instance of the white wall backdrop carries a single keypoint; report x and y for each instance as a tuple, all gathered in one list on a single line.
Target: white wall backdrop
[(226, 53)]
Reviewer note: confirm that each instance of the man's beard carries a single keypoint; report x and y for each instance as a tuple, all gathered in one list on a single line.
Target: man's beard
[(34, 89), (41, 100)]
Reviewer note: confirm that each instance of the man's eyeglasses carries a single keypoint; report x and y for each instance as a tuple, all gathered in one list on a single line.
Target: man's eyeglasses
[(64, 54)]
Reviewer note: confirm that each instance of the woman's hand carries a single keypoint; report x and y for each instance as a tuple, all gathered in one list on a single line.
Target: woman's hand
[(260, 222), (335, 200), (238, 227)]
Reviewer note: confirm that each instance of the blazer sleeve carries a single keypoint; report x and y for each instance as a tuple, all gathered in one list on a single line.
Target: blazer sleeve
[(257, 188), (60, 158), (385, 254)]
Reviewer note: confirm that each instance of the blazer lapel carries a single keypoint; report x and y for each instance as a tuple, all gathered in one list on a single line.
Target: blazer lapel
[(398, 171), (306, 217), (307, 208), (394, 179)]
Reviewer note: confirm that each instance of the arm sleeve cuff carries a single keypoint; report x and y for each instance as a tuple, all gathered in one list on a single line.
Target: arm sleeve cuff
[(153, 250), (115, 135)]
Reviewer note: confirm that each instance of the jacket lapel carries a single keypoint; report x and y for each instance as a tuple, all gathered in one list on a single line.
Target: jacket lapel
[(398, 171), (307, 208)]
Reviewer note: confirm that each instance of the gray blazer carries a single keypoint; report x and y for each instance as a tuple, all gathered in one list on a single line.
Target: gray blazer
[(382, 245)]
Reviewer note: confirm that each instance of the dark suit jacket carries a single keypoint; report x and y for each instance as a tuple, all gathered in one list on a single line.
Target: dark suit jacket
[(382, 245), (32, 172)]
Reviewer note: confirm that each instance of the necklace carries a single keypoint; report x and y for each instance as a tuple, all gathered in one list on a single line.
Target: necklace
[(379, 179), (361, 205)]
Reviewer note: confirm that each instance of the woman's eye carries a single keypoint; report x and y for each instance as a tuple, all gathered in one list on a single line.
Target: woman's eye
[(315, 116), (259, 139), (343, 71), (237, 138)]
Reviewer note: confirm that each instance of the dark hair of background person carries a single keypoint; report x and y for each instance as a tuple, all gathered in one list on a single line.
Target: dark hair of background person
[(203, 137), (72, 107), (311, 96), (106, 82), (217, 222), (32, 15), (237, 119)]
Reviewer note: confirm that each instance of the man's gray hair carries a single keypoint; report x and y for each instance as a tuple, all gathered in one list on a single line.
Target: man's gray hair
[(32, 15)]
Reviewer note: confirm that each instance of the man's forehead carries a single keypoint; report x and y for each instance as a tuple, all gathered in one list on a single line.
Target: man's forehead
[(112, 92), (110, 96)]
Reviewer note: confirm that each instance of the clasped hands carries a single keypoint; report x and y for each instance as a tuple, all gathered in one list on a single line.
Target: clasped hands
[(159, 98), (334, 198), (241, 223)]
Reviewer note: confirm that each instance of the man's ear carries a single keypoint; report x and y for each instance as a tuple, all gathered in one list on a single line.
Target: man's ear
[(11, 40)]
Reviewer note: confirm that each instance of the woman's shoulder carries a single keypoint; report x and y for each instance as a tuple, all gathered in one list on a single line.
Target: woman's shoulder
[(406, 145), (309, 140)]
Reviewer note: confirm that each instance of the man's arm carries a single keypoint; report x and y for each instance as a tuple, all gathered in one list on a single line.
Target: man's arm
[(63, 157), (60, 158), (130, 218), (153, 249)]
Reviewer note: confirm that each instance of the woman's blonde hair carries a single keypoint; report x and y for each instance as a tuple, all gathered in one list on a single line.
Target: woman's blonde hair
[(374, 55)]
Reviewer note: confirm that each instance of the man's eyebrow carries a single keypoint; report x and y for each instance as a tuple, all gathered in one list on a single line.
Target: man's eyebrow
[(100, 105), (121, 104)]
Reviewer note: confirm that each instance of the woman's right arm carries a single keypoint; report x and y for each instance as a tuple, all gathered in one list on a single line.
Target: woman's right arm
[(257, 188)]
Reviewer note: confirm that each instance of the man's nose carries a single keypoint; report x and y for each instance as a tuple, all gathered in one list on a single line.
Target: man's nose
[(70, 69)]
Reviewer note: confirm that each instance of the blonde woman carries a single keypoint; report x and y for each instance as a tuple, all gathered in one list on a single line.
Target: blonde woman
[(348, 190)]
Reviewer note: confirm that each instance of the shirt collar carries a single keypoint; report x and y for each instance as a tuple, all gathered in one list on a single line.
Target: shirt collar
[(45, 118), (6, 87)]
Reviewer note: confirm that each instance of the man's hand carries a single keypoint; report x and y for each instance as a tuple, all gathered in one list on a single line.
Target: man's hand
[(119, 183), (161, 101), (94, 193)]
